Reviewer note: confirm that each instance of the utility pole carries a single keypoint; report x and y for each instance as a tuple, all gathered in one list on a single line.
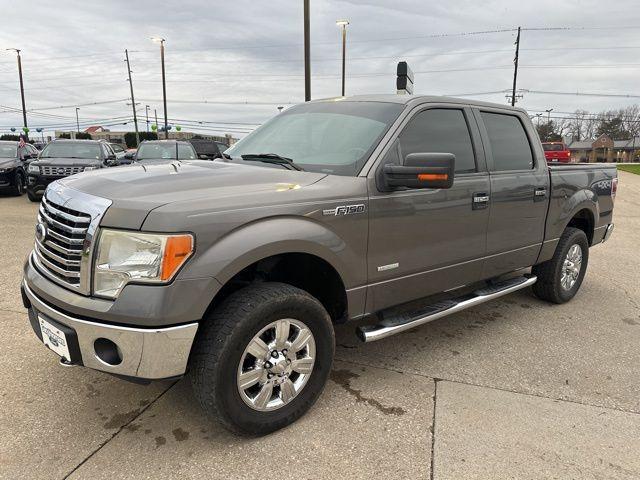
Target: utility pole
[(515, 70), (77, 120), (146, 110), (133, 101), (307, 54), (24, 109), (343, 24), (155, 112)]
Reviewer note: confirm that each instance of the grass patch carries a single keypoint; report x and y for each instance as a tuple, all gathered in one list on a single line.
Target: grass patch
[(630, 168)]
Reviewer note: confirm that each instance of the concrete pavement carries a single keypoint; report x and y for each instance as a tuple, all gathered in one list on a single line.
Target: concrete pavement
[(516, 388)]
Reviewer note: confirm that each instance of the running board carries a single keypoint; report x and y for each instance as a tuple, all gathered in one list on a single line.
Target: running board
[(403, 322)]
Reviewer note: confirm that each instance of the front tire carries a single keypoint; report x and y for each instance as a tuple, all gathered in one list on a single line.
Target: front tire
[(559, 279), (20, 185), (32, 196), (262, 358)]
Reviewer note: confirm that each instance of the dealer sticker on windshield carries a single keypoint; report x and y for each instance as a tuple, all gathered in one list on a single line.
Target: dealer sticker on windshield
[(54, 338)]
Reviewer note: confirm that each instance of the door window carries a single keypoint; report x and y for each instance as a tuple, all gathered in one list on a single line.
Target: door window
[(509, 143), (440, 130)]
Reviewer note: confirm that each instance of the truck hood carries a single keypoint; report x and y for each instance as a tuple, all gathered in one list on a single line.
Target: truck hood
[(137, 189), (8, 162)]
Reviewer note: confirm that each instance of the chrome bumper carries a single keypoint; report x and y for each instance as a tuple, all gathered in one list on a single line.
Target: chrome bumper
[(151, 354)]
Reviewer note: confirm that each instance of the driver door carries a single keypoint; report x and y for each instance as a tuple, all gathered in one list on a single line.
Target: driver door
[(426, 241)]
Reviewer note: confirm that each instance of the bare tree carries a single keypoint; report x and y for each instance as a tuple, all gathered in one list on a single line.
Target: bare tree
[(631, 119)]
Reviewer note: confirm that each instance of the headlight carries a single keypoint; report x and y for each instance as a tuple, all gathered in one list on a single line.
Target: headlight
[(33, 169), (86, 169), (141, 257)]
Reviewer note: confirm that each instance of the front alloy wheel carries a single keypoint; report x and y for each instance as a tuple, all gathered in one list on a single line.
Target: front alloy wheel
[(276, 364), (262, 357)]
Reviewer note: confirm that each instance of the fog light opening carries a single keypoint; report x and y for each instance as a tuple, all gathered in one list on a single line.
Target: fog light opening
[(107, 351)]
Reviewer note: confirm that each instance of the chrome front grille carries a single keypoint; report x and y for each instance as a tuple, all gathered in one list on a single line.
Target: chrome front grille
[(60, 171), (60, 249)]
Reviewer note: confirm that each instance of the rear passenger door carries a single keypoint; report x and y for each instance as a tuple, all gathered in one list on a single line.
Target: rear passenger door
[(425, 241), (519, 191)]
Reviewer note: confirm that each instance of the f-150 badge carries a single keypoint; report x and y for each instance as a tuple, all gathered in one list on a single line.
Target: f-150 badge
[(345, 210)]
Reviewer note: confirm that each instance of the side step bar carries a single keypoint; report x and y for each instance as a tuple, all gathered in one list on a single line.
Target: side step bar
[(403, 322)]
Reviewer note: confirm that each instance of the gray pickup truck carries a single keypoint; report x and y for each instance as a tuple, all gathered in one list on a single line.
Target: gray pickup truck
[(395, 210)]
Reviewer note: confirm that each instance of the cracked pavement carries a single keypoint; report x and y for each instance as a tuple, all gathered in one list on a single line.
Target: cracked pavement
[(516, 388)]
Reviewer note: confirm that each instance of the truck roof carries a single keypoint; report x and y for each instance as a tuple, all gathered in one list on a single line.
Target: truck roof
[(416, 99)]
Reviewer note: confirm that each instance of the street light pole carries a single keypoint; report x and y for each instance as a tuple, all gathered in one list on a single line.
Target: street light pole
[(549, 110), (146, 110), (133, 101), (343, 24), (77, 120), (24, 110), (164, 84), (307, 54)]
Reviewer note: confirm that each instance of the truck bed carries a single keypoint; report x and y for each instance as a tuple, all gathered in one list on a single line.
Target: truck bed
[(580, 187)]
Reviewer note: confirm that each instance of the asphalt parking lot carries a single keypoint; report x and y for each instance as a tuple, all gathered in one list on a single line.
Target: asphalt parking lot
[(516, 388)]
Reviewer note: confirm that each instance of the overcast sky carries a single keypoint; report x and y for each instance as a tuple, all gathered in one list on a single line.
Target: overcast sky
[(249, 51)]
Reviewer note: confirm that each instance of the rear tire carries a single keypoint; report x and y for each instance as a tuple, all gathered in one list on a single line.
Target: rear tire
[(227, 355), (559, 279)]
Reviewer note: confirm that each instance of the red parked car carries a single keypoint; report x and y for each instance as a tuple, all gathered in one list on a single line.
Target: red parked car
[(556, 152)]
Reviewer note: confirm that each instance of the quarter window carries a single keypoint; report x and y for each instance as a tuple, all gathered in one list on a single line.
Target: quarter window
[(509, 143), (440, 130)]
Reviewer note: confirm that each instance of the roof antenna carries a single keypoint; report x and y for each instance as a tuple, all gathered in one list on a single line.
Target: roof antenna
[(404, 82)]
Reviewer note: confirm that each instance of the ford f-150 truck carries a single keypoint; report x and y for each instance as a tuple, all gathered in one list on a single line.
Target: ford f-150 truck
[(395, 210)]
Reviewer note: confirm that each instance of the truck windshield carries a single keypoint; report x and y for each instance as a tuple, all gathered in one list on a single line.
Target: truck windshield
[(328, 137), (71, 150), (165, 151)]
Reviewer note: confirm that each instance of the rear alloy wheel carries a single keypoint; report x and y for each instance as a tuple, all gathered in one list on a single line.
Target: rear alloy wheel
[(262, 357), (559, 279)]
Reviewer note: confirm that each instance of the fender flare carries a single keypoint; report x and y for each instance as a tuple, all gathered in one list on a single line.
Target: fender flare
[(581, 200), (264, 238)]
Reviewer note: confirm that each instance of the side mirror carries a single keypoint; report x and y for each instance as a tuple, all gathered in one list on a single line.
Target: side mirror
[(110, 160), (421, 170), (203, 156)]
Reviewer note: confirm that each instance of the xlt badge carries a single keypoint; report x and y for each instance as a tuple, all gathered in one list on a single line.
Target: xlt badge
[(345, 210)]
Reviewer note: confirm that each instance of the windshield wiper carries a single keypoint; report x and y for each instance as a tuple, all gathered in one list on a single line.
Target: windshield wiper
[(273, 158)]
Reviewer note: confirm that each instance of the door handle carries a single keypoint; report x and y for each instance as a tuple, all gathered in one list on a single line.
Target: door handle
[(480, 201), (539, 194)]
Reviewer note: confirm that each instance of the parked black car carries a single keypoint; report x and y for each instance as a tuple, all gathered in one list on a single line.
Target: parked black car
[(164, 150), (13, 166), (207, 149), (61, 158)]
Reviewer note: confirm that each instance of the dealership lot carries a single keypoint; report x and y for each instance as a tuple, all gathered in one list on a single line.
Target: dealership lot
[(515, 388)]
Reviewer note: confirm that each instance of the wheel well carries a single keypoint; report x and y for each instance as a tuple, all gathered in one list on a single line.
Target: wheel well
[(584, 221), (307, 272)]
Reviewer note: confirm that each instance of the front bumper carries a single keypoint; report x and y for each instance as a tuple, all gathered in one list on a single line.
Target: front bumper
[(150, 354), (37, 184)]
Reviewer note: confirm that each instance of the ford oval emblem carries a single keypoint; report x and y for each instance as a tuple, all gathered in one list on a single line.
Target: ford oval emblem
[(41, 232), (61, 171)]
